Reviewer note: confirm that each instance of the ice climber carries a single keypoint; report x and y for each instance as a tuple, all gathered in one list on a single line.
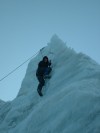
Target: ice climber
[(42, 73)]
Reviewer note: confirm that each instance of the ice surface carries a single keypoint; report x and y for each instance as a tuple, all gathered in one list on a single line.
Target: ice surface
[(71, 101)]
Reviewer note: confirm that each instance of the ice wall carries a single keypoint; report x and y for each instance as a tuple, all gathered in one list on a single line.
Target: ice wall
[(71, 101)]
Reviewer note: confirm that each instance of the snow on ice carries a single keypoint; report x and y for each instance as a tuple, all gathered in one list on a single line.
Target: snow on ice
[(71, 101)]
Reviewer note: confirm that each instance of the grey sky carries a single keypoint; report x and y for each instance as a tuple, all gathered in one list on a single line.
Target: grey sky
[(27, 25)]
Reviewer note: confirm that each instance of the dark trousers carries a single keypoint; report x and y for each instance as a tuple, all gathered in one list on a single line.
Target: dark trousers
[(41, 82), (41, 78)]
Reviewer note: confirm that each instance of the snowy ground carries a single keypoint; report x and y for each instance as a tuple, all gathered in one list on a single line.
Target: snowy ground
[(71, 101)]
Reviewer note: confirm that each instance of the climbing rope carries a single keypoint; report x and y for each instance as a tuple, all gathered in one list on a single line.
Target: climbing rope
[(18, 67)]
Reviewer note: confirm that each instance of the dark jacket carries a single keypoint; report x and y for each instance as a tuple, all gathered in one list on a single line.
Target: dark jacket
[(42, 66)]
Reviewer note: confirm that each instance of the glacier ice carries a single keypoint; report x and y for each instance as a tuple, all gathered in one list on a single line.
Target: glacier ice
[(71, 101)]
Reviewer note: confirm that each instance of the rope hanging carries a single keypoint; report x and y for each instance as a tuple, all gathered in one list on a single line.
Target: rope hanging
[(18, 67)]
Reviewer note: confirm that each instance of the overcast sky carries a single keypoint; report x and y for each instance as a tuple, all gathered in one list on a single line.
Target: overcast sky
[(27, 25)]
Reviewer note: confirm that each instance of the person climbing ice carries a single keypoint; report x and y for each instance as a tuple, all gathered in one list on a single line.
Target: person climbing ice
[(42, 73)]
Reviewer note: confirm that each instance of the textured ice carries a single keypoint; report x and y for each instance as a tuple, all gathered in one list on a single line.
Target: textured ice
[(71, 101)]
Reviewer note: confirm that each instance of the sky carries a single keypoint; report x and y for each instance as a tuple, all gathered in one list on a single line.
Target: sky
[(28, 25)]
